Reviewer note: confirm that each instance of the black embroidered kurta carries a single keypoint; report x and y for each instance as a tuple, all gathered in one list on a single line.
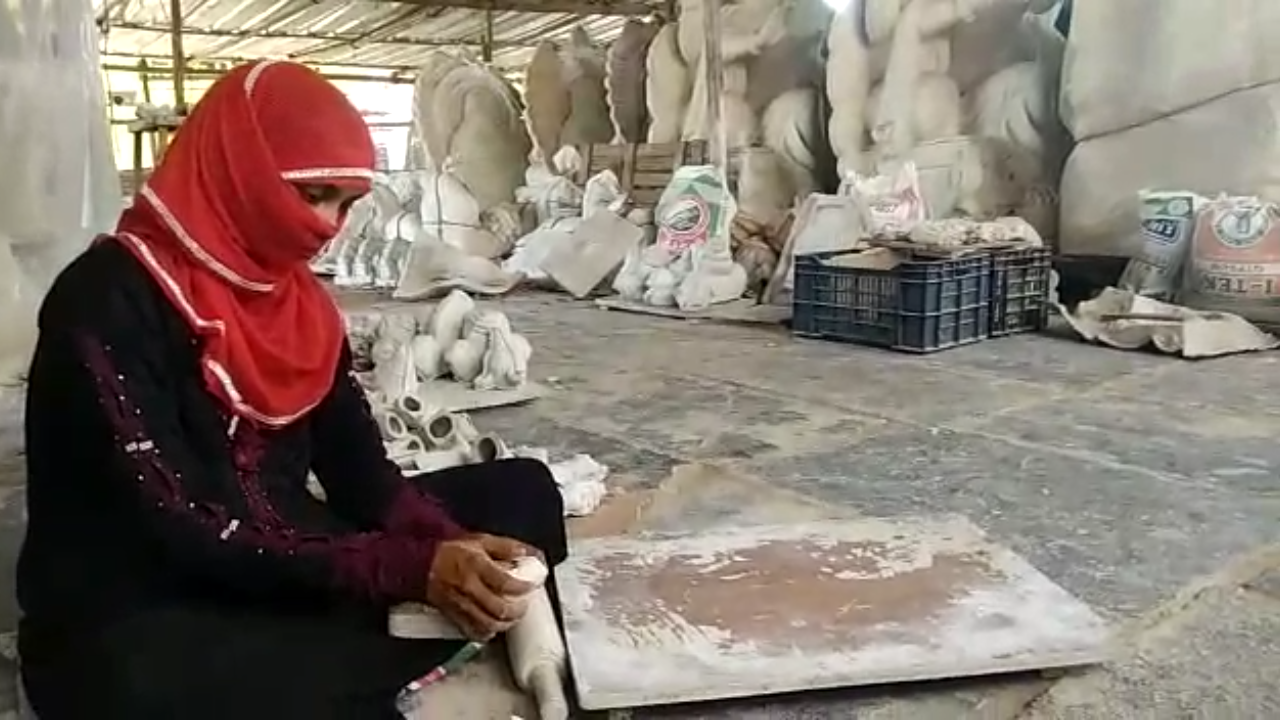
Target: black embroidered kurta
[(169, 539)]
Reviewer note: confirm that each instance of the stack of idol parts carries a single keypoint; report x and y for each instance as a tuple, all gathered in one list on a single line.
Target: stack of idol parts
[(409, 360), (966, 92)]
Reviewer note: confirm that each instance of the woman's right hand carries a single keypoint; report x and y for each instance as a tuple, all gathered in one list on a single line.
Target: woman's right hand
[(472, 589)]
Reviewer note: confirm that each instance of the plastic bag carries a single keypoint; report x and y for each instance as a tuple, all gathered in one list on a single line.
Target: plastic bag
[(696, 208), (890, 204), (602, 192)]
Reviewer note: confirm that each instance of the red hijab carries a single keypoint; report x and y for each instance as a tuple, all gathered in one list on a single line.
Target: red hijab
[(226, 234)]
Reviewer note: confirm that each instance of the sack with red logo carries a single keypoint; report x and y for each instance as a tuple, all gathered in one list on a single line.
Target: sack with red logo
[(696, 207)]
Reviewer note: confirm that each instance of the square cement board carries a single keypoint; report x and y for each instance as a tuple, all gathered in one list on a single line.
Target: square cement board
[(763, 610)]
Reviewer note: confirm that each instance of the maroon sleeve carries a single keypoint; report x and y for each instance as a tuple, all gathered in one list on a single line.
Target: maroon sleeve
[(361, 484), (157, 471)]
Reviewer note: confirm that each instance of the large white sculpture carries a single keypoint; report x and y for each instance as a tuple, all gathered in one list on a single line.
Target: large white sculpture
[(565, 91), (964, 88), (469, 121), (772, 74), (626, 81)]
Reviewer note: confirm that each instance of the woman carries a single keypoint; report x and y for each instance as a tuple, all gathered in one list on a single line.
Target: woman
[(190, 371)]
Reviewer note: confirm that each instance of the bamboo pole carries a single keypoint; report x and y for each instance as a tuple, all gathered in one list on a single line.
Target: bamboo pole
[(179, 58)]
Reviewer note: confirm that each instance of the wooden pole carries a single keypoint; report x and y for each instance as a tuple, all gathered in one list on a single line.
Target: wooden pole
[(713, 66), (179, 57), (486, 41), (145, 76)]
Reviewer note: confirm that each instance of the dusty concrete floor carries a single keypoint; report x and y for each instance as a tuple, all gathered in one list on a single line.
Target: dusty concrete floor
[(1147, 486)]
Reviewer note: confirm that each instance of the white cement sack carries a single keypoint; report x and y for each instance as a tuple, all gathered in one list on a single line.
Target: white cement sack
[(1129, 62), (1166, 222), (1230, 145)]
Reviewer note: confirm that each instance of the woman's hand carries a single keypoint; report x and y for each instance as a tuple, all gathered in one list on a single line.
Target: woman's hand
[(468, 583)]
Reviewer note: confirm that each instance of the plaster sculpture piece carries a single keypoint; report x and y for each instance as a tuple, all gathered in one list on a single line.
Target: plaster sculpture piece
[(449, 212), (535, 647), (421, 439), (465, 357), (359, 248), (474, 345), (359, 217), (790, 128), (668, 85), (1217, 105), (433, 267), (565, 89), (558, 205), (488, 448), (539, 659), (585, 67), (505, 360), (447, 320), (428, 357), (848, 86), (433, 138), (626, 80), (548, 99), (394, 375), (476, 121), (580, 479), (772, 74), (577, 253), (384, 243), (966, 90)]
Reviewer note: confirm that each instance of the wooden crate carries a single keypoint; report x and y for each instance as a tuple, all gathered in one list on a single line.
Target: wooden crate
[(643, 169)]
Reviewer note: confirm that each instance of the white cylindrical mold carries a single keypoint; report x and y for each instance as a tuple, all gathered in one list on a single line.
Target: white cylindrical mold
[(411, 408), (441, 430), (392, 425), (537, 655), (488, 448)]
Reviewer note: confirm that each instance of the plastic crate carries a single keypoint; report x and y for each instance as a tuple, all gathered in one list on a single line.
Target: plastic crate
[(919, 306), (1019, 291)]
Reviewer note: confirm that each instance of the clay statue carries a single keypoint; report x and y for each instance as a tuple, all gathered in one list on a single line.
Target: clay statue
[(772, 76), (565, 91), (385, 242), (668, 84), (967, 92), (469, 121), (626, 81), (505, 363)]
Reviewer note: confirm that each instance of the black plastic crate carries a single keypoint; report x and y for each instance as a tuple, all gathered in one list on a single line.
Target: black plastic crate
[(1019, 291), (919, 306)]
